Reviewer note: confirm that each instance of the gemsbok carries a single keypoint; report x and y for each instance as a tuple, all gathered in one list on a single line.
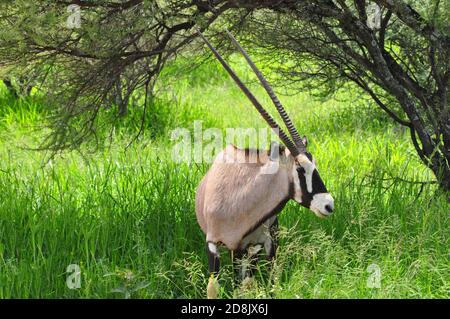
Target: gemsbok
[(238, 199)]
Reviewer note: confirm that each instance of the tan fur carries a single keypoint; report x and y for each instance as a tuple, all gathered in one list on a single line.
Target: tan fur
[(234, 195)]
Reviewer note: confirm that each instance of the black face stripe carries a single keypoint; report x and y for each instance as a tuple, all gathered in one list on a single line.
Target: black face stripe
[(317, 183), (306, 197), (317, 186)]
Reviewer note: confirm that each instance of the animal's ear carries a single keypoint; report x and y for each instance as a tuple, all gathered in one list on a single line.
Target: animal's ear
[(305, 141)]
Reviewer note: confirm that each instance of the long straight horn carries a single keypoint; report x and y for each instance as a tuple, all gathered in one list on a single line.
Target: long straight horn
[(275, 127), (287, 121)]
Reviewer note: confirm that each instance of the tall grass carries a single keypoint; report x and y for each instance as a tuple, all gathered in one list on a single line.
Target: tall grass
[(126, 217)]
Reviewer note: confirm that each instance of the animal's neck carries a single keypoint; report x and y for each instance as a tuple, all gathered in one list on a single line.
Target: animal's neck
[(289, 166)]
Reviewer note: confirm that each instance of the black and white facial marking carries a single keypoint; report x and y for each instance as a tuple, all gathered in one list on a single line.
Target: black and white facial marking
[(310, 191)]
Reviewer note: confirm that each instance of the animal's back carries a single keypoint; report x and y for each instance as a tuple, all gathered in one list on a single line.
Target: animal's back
[(236, 194)]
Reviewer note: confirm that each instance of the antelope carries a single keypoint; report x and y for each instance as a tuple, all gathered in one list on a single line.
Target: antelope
[(237, 202)]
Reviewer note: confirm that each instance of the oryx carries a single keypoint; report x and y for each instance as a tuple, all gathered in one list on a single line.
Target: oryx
[(237, 200)]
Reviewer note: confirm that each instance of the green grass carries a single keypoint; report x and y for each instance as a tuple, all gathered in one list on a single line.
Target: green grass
[(126, 217)]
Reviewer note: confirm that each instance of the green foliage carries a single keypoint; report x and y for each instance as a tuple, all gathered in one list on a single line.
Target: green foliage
[(117, 49), (193, 71), (127, 217)]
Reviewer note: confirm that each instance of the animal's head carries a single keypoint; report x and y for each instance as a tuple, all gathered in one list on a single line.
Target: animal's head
[(310, 190)]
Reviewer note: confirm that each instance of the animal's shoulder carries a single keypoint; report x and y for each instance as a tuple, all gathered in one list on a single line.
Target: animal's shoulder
[(234, 155)]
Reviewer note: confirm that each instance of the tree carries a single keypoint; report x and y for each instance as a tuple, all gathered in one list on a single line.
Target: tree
[(402, 62)]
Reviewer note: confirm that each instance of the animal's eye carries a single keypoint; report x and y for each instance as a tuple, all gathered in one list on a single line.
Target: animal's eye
[(301, 170)]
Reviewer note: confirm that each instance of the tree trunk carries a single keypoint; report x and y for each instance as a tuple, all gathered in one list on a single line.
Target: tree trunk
[(10, 87), (434, 152), (122, 104), (441, 170)]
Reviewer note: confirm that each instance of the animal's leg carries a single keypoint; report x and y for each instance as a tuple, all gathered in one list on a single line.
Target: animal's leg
[(237, 259), (270, 246), (250, 262), (213, 258), (248, 267), (271, 242), (214, 265)]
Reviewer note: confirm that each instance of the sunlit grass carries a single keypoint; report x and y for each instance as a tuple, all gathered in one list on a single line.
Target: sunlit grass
[(126, 217)]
